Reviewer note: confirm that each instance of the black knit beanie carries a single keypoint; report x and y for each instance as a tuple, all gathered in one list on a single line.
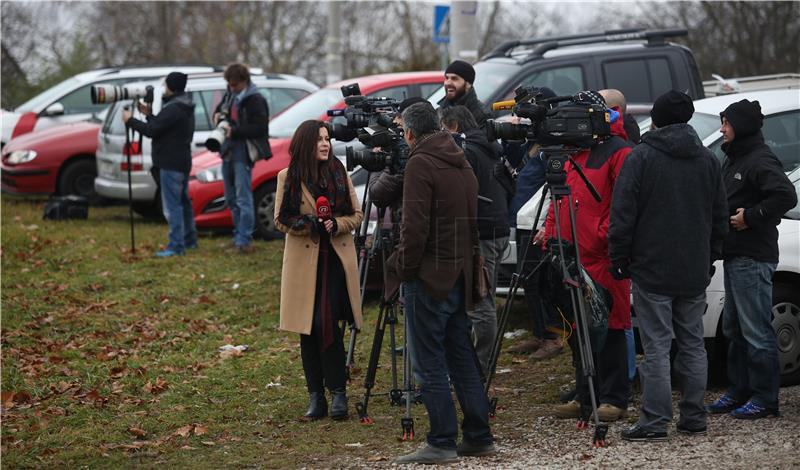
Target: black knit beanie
[(409, 101), (462, 69), (744, 116), (176, 81), (673, 107)]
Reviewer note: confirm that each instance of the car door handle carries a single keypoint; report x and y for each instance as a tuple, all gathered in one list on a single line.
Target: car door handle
[(200, 144)]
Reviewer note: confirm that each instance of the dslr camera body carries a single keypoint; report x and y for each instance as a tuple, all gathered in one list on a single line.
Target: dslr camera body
[(371, 121)]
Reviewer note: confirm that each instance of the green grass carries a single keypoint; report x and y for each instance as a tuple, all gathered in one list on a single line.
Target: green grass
[(96, 342)]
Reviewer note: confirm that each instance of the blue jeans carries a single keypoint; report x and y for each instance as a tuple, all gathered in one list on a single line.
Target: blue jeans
[(237, 178), (442, 348), (177, 209), (753, 367), (659, 317)]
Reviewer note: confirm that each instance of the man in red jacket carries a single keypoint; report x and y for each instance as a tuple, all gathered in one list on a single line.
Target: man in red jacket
[(601, 164)]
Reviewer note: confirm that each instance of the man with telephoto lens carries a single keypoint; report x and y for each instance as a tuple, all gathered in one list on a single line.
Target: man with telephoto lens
[(438, 238), (759, 193), (668, 222), (171, 131), (246, 116), (458, 79)]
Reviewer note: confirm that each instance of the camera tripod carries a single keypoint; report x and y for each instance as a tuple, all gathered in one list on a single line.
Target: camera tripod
[(128, 149), (572, 280), (382, 243)]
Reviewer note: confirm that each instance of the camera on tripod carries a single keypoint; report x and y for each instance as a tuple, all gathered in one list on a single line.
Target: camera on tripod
[(104, 94), (576, 122), (372, 122)]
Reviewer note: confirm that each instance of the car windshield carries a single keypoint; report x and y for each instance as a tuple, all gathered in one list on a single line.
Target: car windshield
[(704, 124), (44, 98), (489, 76), (311, 107)]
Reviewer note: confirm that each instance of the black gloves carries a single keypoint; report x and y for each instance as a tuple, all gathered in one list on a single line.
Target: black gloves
[(619, 271)]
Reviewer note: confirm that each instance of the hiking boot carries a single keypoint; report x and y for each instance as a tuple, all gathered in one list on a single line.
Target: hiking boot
[(550, 348), (638, 434), (317, 406), (429, 455), (724, 404), (527, 346), (607, 413), (752, 410), (571, 409), (683, 429), (465, 449), (338, 404)]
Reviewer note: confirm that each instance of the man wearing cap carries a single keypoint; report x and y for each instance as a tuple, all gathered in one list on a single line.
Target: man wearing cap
[(458, 79), (759, 193), (247, 140), (171, 131), (668, 222)]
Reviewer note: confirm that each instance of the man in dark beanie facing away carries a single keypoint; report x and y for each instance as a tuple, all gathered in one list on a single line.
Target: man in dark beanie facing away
[(668, 221), (171, 131), (759, 193), (458, 79)]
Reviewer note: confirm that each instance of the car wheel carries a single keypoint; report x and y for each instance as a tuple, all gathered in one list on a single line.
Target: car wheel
[(78, 178), (786, 321), (264, 200)]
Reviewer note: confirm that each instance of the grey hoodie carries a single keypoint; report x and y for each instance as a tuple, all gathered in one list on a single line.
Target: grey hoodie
[(669, 213)]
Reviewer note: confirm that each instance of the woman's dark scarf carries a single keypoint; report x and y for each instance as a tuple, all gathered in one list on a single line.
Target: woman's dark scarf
[(332, 184)]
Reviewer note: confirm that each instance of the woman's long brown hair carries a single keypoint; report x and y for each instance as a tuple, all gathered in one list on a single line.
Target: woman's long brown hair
[(303, 165)]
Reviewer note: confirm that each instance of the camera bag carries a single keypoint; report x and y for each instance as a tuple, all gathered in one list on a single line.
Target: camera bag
[(66, 207)]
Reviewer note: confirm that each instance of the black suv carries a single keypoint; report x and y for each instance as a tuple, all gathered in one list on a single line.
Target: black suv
[(638, 62)]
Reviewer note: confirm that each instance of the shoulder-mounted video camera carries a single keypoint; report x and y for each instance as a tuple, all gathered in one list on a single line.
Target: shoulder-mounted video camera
[(561, 120), (371, 121)]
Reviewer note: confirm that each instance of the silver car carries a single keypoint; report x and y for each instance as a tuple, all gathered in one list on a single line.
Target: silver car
[(281, 91)]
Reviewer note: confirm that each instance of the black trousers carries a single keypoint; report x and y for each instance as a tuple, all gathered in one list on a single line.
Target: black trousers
[(611, 367)]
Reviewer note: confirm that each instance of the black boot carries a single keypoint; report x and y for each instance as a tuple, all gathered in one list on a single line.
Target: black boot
[(338, 404), (317, 406)]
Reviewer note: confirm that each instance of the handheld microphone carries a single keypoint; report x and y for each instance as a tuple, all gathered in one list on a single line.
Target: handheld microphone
[(323, 208), (501, 105)]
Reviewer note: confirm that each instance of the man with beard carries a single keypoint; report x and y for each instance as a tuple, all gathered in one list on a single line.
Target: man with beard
[(458, 79)]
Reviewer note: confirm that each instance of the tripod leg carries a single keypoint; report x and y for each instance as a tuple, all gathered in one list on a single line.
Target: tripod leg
[(407, 422), (350, 361), (372, 368), (395, 394)]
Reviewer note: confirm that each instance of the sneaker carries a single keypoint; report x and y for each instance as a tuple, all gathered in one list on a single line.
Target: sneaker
[(607, 413), (167, 253), (527, 346), (571, 409), (465, 449), (550, 348), (429, 455), (683, 429), (638, 434), (724, 404), (751, 410)]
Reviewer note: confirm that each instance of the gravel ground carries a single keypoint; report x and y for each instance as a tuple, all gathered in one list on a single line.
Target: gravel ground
[(730, 443)]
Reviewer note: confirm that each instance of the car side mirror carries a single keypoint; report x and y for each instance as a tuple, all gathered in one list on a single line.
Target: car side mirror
[(55, 109)]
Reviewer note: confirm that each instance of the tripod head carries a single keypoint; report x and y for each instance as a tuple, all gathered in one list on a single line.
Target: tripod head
[(556, 159)]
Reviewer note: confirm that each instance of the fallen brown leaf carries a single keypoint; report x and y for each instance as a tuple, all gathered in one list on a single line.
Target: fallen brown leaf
[(184, 431), (138, 432)]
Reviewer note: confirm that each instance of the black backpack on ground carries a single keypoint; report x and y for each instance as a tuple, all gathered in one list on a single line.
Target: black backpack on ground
[(66, 207)]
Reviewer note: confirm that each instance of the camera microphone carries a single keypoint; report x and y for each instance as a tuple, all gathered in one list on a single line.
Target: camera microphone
[(503, 105), (323, 208)]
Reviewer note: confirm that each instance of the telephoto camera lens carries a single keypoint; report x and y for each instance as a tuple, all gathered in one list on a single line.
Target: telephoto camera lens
[(104, 94), (217, 137)]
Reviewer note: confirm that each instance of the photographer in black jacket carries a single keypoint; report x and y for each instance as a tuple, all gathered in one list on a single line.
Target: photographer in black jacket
[(171, 131), (246, 114), (759, 193)]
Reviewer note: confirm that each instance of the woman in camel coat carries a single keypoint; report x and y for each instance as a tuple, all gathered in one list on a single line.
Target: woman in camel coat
[(319, 281)]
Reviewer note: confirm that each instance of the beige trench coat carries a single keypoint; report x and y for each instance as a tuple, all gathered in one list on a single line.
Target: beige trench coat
[(300, 254)]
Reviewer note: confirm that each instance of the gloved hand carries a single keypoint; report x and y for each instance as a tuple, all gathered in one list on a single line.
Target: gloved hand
[(619, 271)]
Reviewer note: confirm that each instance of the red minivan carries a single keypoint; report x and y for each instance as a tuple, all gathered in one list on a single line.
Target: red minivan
[(206, 189)]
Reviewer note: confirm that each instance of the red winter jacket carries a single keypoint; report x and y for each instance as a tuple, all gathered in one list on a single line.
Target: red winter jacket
[(601, 166)]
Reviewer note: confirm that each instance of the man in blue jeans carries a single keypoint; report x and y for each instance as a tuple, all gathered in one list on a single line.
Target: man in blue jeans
[(246, 116), (434, 258), (171, 131), (759, 193), (668, 222)]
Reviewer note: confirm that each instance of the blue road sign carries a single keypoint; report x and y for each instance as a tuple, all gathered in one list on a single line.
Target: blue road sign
[(441, 23)]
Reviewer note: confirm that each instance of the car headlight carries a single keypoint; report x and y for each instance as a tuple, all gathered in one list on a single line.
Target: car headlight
[(21, 156), (210, 175)]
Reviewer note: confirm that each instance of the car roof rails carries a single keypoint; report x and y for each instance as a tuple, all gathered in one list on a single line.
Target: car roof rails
[(542, 45), (115, 69)]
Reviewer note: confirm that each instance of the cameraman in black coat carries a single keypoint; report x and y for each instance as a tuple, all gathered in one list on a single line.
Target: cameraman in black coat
[(172, 130)]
